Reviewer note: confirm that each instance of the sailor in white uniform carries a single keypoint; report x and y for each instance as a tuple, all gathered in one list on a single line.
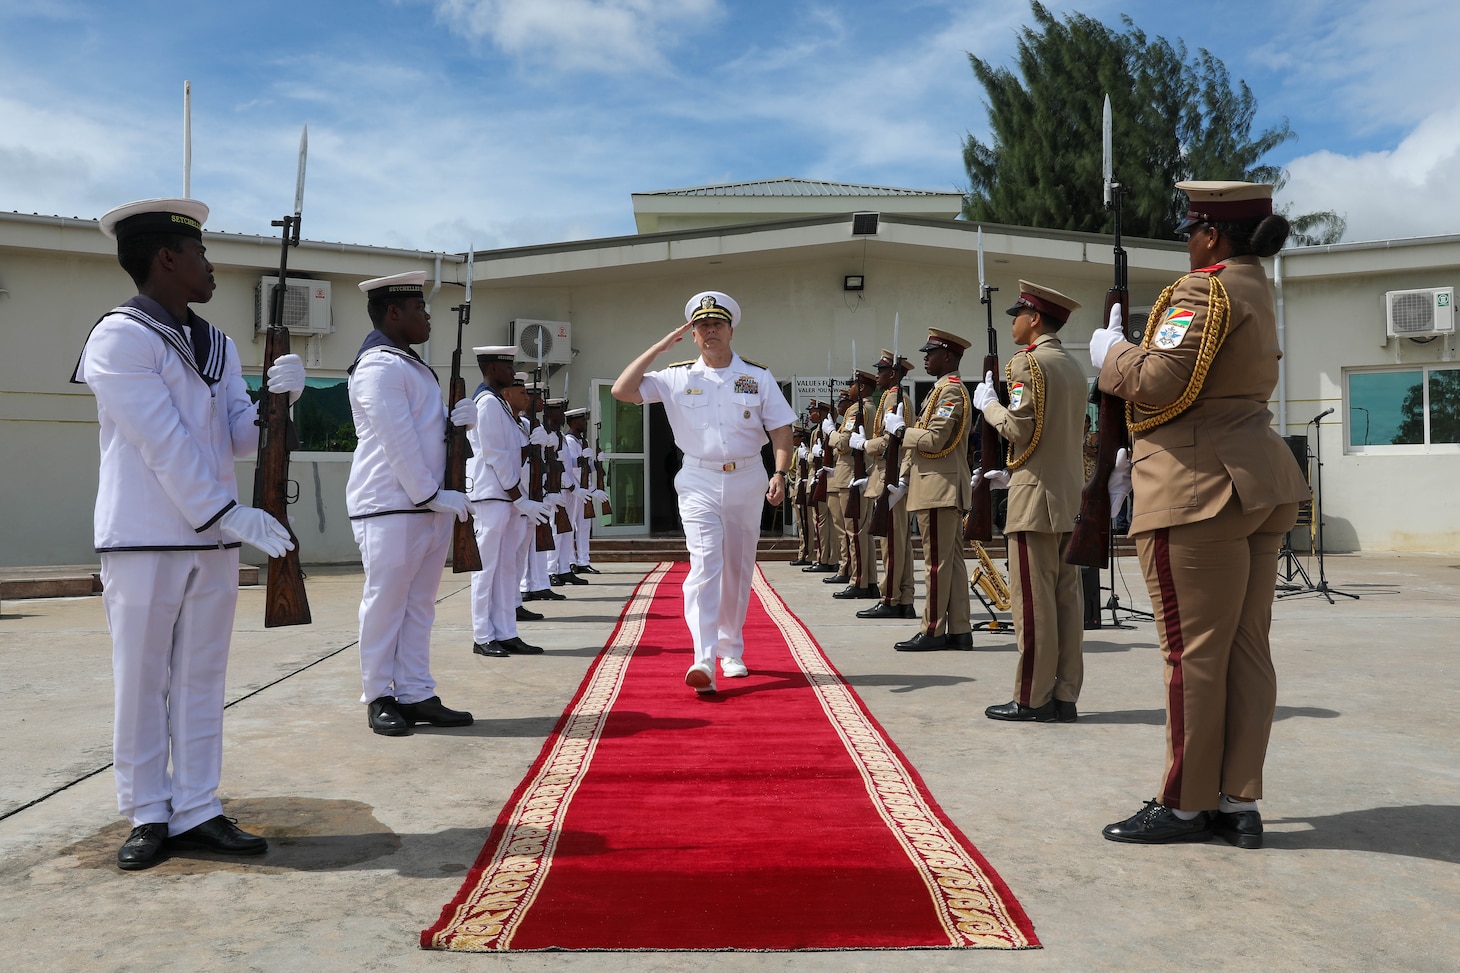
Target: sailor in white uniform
[(174, 415), (721, 408), (536, 579), (563, 450), (588, 495), (502, 510), (400, 514)]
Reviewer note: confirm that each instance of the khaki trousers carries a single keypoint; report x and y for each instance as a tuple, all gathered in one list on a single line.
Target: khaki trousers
[(1049, 618), (862, 569), (945, 610), (897, 557), (828, 549), (1212, 585), (836, 503)]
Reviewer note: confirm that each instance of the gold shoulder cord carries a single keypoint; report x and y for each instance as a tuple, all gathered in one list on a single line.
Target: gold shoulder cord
[(1214, 332), (1037, 376), (882, 409), (962, 422)]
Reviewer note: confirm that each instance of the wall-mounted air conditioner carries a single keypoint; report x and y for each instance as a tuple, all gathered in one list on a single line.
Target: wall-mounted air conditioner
[(552, 339), (1420, 313), (306, 305)]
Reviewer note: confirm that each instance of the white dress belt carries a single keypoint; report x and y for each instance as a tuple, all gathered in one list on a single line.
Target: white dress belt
[(726, 466)]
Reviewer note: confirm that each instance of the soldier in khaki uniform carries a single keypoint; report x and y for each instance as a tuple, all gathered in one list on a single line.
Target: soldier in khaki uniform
[(935, 469), (1215, 489), (897, 566), (1044, 427), (798, 489), (838, 477), (850, 441), (828, 547)]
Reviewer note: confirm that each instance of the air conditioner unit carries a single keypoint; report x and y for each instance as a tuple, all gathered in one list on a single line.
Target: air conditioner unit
[(552, 340), (1420, 313), (306, 305)]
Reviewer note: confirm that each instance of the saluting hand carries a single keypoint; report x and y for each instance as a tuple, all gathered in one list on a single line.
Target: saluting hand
[(672, 338)]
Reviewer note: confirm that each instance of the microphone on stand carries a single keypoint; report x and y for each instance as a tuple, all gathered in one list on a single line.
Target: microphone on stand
[(1328, 411)]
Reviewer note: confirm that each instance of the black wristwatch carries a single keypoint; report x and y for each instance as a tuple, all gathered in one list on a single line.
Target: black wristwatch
[(780, 473)]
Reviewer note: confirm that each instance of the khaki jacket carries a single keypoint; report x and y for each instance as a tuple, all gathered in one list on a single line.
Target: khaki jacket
[(840, 440), (941, 427), (1185, 470), (1044, 492), (878, 441)]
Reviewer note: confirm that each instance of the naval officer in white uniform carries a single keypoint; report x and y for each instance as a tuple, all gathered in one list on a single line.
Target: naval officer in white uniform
[(721, 408), (174, 415), (400, 514)]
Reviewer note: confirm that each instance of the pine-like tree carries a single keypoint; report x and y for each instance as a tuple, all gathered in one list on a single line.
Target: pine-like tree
[(1175, 117)]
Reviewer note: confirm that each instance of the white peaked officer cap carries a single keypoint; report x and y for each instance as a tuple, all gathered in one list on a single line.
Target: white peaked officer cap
[(412, 284), (713, 305), (182, 216)]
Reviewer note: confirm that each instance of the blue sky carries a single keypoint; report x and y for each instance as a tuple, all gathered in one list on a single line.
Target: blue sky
[(438, 123)]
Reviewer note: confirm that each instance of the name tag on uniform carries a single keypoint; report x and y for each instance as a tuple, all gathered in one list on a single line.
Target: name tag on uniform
[(693, 391), (1173, 328), (747, 385), (1016, 394)]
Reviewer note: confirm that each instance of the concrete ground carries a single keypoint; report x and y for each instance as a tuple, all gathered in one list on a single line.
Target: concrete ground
[(370, 836)]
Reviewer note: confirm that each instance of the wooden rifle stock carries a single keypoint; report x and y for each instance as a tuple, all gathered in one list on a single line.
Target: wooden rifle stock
[(285, 601), (1090, 543), (543, 537), (881, 525), (465, 555), (561, 523), (600, 483), (859, 469), (979, 525)]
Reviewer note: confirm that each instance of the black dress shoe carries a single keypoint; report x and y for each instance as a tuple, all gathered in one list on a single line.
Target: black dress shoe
[(800, 562), (516, 646), (884, 610), (815, 567), (836, 579), (1065, 711), (1015, 713), (1154, 824), (222, 835), (556, 580), (528, 615), (571, 578), (548, 594), (850, 592), (433, 711), (384, 718), (587, 569), (1241, 828), (963, 640), (145, 846), (492, 648), (923, 642)]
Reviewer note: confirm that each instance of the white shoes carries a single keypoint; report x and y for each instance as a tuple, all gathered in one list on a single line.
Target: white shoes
[(733, 668), (700, 678)]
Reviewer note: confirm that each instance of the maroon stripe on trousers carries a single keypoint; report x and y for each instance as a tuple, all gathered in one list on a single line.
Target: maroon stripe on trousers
[(1026, 627), (889, 564), (935, 611), (1175, 692)]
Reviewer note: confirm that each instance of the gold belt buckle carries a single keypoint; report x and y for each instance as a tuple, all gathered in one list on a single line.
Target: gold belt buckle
[(727, 467)]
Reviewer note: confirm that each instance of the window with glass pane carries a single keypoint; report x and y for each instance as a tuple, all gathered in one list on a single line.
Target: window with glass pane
[(322, 421), (1444, 389), (1386, 408)]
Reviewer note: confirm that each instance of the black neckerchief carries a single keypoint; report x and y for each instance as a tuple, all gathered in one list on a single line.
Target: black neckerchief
[(378, 339)]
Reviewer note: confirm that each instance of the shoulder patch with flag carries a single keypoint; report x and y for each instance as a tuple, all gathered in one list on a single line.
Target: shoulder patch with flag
[(1016, 394), (1173, 328)]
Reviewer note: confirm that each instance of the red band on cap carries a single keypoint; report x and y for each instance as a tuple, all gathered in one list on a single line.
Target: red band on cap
[(1230, 211), (1045, 307)]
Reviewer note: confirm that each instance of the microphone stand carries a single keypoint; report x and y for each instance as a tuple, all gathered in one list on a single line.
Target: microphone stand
[(1322, 587)]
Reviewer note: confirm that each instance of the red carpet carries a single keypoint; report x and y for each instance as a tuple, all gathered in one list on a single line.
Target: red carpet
[(775, 815)]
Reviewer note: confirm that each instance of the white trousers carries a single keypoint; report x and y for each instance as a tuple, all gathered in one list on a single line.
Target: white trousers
[(404, 555), (581, 524), (535, 575), (171, 618), (494, 595), (560, 558), (721, 516)]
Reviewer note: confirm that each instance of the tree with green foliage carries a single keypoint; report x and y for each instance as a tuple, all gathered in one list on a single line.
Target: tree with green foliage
[(1175, 117)]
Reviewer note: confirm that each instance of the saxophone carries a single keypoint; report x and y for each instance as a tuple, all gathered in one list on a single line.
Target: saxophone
[(995, 590)]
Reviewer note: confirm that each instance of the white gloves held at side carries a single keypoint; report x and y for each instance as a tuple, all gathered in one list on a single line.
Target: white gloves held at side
[(535, 511), (254, 526), (827, 426), (541, 437), (896, 492), (816, 450), (860, 484), (985, 392), (997, 479), (287, 375), (1119, 482), (450, 502), (1102, 340), (892, 421), (858, 439), (464, 414)]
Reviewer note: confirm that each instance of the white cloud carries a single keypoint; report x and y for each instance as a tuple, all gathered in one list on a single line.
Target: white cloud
[(609, 36)]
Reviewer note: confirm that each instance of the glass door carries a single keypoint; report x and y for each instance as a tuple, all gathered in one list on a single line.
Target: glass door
[(621, 433)]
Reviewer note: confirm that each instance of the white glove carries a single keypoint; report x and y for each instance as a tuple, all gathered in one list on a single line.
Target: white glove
[(464, 414), (254, 526), (892, 422), (602, 456), (450, 502), (816, 450), (1119, 483), (984, 392), (896, 493), (973, 477), (860, 485), (1101, 341), (858, 439), (536, 512), (287, 375), (997, 479), (541, 437), (827, 426), (599, 496), (554, 501), (801, 452)]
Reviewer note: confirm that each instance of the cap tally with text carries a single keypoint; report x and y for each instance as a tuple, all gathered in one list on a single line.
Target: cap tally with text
[(938, 338), (557, 403), (1224, 202), (1047, 301), (411, 284), (713, 305), (494, 353), (519, 379), (575, 413), (181, 216)]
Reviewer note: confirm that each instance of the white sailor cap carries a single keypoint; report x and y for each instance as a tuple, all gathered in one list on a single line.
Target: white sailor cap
[(557, 403), (519, 380), (181, 216), (575, 413), (713, 305), (497, 353), (412, 284)]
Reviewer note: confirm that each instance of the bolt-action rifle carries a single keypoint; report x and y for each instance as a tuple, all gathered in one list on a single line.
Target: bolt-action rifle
[(465, 555), (979, 524)]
